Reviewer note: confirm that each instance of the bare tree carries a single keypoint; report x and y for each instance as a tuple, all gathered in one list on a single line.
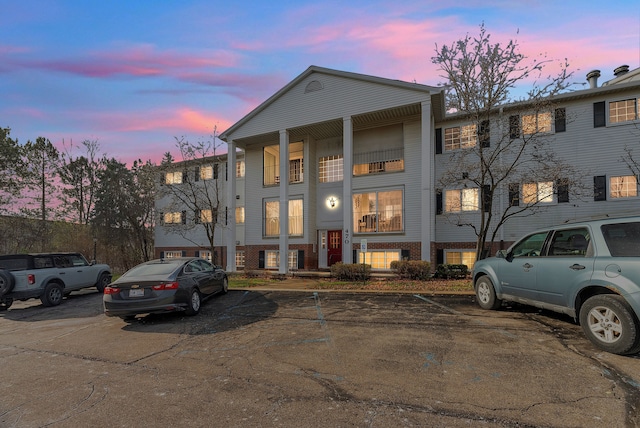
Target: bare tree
[(79, 176), (506, 147), (191, 192)]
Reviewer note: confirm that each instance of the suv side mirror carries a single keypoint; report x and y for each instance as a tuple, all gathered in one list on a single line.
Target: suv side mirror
[(502, 254)]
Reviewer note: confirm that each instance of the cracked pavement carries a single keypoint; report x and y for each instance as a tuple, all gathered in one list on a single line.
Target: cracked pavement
[(304, 358)]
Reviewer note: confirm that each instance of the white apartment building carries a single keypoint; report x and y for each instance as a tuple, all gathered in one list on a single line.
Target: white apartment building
[(355, 161)]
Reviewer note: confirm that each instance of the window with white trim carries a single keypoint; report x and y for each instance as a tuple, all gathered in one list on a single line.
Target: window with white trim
[(536, 123), (460, 200), (331, 169), (623, 111), (204, 216), (173, 177), (206, 254), (272, 259), (623, 187), (375, 212), (240, 169), (453, 257), (271, 163), (239, 215), (460, 137), (239, 258), (379, 259), (173, 217), (272, 217), (537, 192), (172, 254), (206, 172)]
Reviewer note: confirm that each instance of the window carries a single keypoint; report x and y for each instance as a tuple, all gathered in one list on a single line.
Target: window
[(514, 126), (378, 212), (331, 168), (379, 259), (622, 239), (536, 123), (623, 187), (172, 254), (460, 258), (460, 137), (271, 164), (272, 218), (391, 160), (206, 255), (175, 217), (240, 169), (623, 111), (571, 242), (206, 173), (239, 215), (239, 258), (459, 200), (537, 192), (272, 259), (531, 246), (204, 216), (173, 177)]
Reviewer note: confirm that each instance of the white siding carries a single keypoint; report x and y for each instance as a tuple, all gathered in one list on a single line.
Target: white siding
[(297, 108)]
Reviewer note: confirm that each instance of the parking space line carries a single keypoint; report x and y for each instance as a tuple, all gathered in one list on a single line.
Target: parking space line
[(473, 320)]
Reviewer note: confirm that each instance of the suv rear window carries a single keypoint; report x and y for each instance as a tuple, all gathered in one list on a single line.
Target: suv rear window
[(14, 264), (623, 239)]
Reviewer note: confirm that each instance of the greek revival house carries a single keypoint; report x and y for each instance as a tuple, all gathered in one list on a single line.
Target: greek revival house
[(339, 166)]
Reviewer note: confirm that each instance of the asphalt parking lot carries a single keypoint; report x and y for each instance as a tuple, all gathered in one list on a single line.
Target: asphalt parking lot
[(304, 358)]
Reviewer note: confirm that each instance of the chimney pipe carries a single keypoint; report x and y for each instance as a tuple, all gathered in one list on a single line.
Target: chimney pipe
[(592, 78), (623, 69)]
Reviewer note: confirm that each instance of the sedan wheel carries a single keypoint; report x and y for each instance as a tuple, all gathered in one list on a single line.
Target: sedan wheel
[(609, 323), (225, 285), (194, 303), (486, 294)]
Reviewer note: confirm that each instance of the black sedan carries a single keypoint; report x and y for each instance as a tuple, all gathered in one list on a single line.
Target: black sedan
[(164, 285)]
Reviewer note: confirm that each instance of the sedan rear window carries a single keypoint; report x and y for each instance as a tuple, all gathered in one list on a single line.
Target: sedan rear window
[(623, 239), (164, 268)]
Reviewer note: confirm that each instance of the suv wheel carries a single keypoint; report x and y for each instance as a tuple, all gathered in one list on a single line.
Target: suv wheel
[(52, 295), (486, 294), (608, 321), (103, 281), (7, 282)]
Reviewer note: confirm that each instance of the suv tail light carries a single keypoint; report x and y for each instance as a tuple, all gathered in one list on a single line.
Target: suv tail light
[(166, 286), (31, 279)]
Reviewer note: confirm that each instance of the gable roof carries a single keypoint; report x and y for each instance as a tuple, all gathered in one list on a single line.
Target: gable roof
[(436, 93)]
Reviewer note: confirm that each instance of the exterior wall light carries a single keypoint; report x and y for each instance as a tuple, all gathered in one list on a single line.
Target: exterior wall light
[(332, 202)]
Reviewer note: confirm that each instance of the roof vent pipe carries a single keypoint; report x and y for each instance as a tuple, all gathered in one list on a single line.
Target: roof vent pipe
[(592, 78), (623, 69)]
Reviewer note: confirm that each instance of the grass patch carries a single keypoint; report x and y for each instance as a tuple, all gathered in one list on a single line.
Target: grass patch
[(388, 284)]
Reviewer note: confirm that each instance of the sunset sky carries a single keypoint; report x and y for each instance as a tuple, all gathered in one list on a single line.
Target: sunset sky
[(135, 74)]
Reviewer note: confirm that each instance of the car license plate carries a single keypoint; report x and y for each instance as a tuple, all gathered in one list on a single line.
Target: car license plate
[(136, 292)]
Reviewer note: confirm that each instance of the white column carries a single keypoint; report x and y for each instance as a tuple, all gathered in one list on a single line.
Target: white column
[(284, 203), (427, 218), (231, 207), (347, 199)]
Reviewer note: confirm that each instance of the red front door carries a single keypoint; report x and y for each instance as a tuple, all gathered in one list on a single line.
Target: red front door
[(334, 252)]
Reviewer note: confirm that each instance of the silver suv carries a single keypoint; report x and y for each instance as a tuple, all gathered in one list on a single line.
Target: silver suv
[(588, 270)]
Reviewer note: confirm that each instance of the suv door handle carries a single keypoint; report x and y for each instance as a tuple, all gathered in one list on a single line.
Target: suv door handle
[(576, 266), (527, 266)]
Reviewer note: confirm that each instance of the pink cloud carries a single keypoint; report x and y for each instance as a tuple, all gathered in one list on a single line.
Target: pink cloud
[(142, 60)]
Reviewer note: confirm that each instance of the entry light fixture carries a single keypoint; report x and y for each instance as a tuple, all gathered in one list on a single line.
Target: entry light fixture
[(332, 202)]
